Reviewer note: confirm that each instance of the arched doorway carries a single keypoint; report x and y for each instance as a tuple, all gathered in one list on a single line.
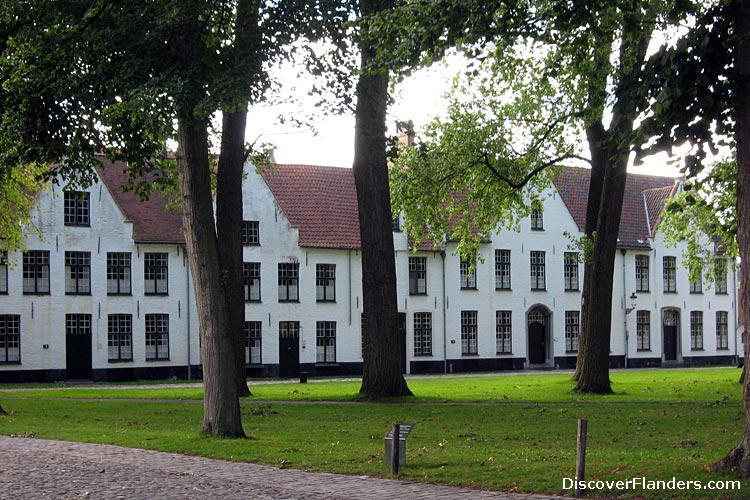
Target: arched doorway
[(537, 324), (670, 335)]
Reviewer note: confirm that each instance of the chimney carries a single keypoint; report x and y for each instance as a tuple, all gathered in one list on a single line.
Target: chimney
[(405, 131)]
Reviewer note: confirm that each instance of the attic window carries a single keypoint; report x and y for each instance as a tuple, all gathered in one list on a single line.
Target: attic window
[(537, 217), (76, 208), (250, 232)]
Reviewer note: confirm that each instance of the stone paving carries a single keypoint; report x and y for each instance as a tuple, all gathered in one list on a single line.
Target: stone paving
[(46, 469)]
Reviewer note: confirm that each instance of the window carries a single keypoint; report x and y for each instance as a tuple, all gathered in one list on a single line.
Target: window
[(537, 217), (325, 282), (696, 286), (502, 269), (417, 275), (289, 329), (643, 330), (396, 224), (468, 279), (722, 330), (155, 272), (157, 336), (572, 329), (422, 334), (118, 273), (36, 271), (78, 324), (326, 341), (720, 268), (288, 282), (76, 208), (77, 273), (250, 232), (469, 332), (641, 273), (251, 277), (3, 272), (570, 271), (503, 332), (670, 274), (253, 342), (10, 338), (120, 337), (696, 330), (538, 281)]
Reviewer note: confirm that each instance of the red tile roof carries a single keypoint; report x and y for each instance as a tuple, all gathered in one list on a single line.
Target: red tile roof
[(152, 222), (321, 202), (642, 205)]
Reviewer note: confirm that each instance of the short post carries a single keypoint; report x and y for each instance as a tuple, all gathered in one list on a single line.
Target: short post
[(395, 444), (581, 455)]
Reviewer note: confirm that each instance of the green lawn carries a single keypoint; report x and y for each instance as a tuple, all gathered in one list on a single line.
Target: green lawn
[(506, 433)]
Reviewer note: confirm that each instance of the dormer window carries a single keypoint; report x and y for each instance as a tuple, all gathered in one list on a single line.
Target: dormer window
[(250, 232), (537, 217)]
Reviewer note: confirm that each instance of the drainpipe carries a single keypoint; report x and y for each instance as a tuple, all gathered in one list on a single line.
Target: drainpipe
[(736, 314), (350, 288), (445, 327), (187, 306), (625, 306)]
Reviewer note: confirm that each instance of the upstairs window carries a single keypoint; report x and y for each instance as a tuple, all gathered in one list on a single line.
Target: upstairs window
[(36, 272), (250, 232), (502, 269), (417, 275), (325, 282), (288, 282), (720, 268), (155, 272), (641, 273), (251, 278), (538, 274), (77, 273), (468, 277), (118, 273), (76, 208), (3, 273), (670, 274), (696, 285), (570, 271)]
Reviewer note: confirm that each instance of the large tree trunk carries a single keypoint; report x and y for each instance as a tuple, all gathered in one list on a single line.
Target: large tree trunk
[(383, 353), (739, 458), (221, 408), (229, 232)]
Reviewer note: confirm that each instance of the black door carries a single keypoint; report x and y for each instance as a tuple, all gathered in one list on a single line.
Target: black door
[(289, 354), (402, 337), (670, 343), (537, 348), (78, 346)]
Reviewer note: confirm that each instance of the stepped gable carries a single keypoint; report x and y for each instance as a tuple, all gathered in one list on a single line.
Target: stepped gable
[(320, 202), (643, 203), (152, 222)]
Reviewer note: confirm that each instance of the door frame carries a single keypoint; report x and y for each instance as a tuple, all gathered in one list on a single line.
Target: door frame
[(547, 336), (677, 335)]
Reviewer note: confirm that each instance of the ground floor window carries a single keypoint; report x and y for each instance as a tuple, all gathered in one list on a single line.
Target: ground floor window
[(469, 332), (157, 336), (696, 330), (10, 338), (253, 342), (503, 332), (422, 334), (572, 330), (120, 337), (722, 330), (643, 330), (326, 341)]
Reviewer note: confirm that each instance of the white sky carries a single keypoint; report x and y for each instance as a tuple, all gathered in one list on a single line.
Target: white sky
[(417, 98)]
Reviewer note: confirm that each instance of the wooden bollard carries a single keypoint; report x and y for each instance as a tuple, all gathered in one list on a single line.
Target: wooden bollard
[(395, 445), (581, 455)]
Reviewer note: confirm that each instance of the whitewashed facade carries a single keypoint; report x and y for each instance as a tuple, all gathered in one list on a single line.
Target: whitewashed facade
[(520, 309)]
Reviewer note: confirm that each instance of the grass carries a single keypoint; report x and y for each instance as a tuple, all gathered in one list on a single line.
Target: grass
[(505, 433)]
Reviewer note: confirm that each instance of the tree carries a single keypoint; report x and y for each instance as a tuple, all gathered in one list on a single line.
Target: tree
[(586, 61), (80, 78), (382, 366)]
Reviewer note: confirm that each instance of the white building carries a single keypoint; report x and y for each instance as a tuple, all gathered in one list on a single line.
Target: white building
[(105, 292)]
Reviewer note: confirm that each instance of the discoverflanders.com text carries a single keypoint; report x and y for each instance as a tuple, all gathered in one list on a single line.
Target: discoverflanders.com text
[(643, 483)]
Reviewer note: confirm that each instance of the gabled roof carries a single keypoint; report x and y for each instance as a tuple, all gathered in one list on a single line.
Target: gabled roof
[(321, 202), (641, 207), (152, 222)]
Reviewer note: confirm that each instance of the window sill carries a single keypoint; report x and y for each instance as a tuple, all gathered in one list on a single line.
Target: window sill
[(504, 354), (722, 348), (722, 293), (420, 294), (643, 350), (696, 349), (326, 365), (537, 229), (642, 291), (571, 352), (503, 289), (258, 301), (6, 363), (469, 288), (36, 293), (156, 294), (538, 289), (470, 354), (282, 301), (69, 224), (149, 360), (696, 293), (120, 294), (423, 355), (115, 361), (325, 301), (72, 294), (572, 289), (670, 291)]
